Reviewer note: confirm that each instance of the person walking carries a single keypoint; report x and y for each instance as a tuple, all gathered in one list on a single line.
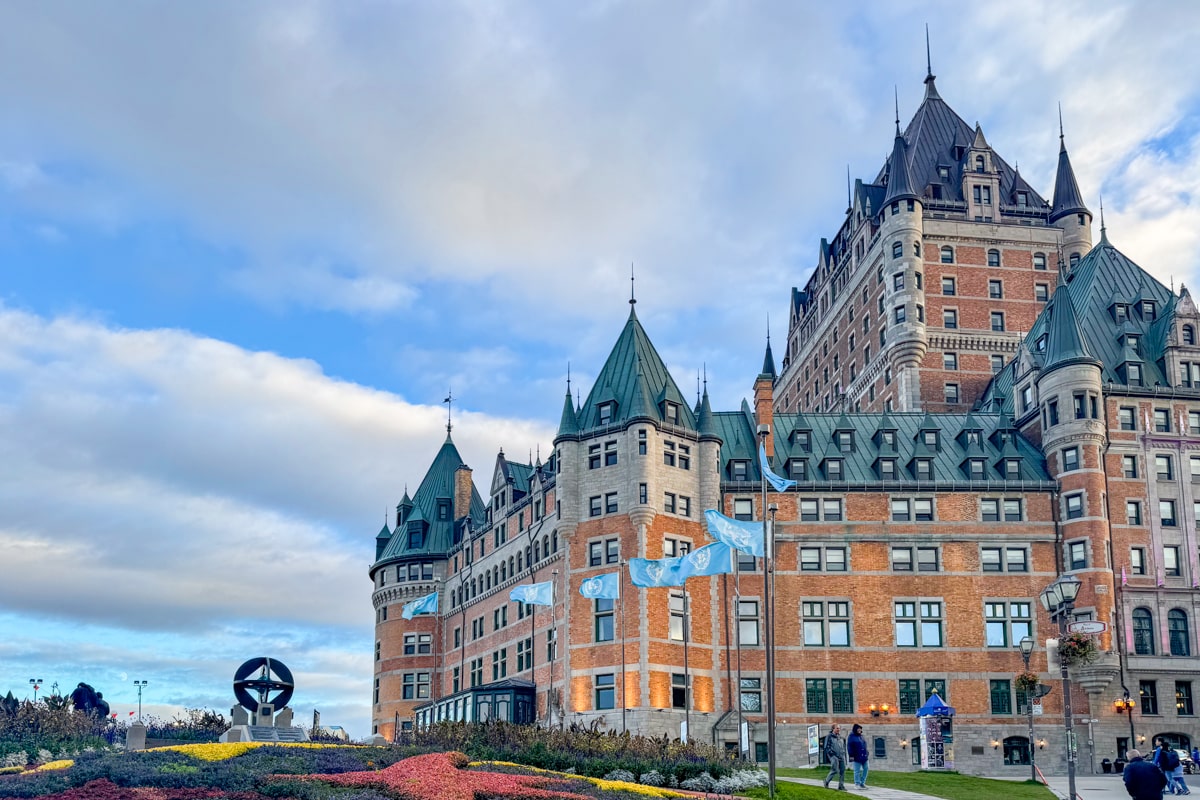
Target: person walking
[(835, 751), (1167, 760), (1176, 775), (1143, 780), (856, 749)]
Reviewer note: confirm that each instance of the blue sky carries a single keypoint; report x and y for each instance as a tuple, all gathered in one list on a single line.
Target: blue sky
[(246, 247)]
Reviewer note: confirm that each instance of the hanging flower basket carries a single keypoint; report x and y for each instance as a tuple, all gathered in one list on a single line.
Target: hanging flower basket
[(1077, 649), (1027, 681)]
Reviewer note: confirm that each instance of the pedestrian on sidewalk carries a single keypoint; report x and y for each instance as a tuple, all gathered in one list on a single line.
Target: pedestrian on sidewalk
[(856, 749), (1143, 780), (835, 751), (1167, 760)]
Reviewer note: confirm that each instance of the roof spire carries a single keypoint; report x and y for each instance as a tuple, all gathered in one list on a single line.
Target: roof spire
[(849, 201), (1067, 197), (706, 377), (449, 401), (1061, 136), (931, 91), (1103, 228), (568, 379), (896, 90), (632, 298)]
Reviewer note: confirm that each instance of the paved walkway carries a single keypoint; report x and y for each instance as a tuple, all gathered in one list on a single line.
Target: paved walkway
[(878, 792)]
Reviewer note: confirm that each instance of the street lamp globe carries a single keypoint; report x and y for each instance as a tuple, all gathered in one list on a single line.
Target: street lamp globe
[(1026, 647), (1069, 587)]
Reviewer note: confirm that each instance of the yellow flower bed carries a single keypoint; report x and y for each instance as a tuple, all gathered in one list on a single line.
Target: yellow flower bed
[(11, 770), (62, 763), (609, 786), (220, 751)]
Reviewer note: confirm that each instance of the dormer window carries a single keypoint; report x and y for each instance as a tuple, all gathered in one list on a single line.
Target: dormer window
[(845, 441), (798, 469), (944, 173), (979, 163), (1131, 340), (803, 440), (930, 438), (671, 412), (833, 469), (1120, 312), (1074, 260), (739, 470), (1022, 199), (973, 437), (1133, 374), (1012, 469), (416, 536), (976, 469), (1148, 311), (1041, 343), (1189, 334), (923, 469), (887, 440), (887, 469), (443, 509), (606, 411)]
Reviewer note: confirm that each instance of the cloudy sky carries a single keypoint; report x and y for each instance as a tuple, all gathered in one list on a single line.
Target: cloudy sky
[(245, 248)]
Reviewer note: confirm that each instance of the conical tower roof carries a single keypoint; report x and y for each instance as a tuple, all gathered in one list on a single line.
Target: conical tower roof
[(705, 423), (568, 425), (768, 367), (1067, 199), (1065, 344), (900, 182)]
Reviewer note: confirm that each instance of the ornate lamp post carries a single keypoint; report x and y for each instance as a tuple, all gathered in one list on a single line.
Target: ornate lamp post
[(141, 685), (1059, 600), (36, 683), (1026, 651)]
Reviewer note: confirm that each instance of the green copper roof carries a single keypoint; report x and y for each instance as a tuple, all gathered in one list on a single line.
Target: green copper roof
[(569, 424), (1064, 340), (993, 440), (635, 378), (704, 418), (1102, 278), (428, 529), (768, 367)]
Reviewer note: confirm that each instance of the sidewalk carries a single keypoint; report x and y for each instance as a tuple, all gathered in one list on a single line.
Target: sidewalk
[(878, 792)]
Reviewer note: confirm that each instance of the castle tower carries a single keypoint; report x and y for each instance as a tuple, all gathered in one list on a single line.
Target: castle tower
[(1068, 211)]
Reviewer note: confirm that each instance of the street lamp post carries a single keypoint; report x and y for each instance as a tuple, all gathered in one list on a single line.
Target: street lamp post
[(140, 685), (1026, 651), (36, 683), (1059, 600)]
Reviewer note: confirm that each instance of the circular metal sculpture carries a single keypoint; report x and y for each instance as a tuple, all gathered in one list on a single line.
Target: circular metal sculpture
[(263, 675)]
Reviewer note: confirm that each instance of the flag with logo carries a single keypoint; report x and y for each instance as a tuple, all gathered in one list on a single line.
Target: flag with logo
[(424, 605), (657, 572), (780, 483), (602, 587), (712, 559), (738, 534), (536, 594)]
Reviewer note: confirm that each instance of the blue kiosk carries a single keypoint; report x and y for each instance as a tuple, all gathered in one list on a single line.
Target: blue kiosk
[(936, 720)]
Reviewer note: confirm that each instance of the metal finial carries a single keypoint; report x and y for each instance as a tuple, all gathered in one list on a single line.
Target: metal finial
[(449, 401), (706, 376), (632, 298), (928, 56), (568, 379), (768, 328), (849, 200), (1060, 122), (1102, 213), (896, 89)]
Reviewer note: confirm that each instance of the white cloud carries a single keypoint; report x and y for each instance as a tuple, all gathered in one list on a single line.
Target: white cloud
[(156, 484)]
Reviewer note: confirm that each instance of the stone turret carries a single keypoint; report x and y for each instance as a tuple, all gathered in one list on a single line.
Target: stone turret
[(1068, 211)]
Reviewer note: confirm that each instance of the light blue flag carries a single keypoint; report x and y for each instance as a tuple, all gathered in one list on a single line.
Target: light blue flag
[(536, 594), (744, 536), (712, 559), (602, 587), (424, 605), (660, 572), (781, 484)]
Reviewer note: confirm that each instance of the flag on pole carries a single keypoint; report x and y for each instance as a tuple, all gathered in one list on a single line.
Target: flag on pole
[(424, 605), (536, 594), (780, 483), (712, 559), (602, 587), (1124, 578), (660, 572), (740, 535)]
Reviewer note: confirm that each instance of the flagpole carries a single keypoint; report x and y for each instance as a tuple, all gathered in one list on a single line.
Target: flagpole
[(621, 603), (737, 603), (687, 675), (550, 651), (769, 639)]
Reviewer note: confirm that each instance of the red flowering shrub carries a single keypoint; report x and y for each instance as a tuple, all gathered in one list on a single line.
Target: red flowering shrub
[(439, 776)]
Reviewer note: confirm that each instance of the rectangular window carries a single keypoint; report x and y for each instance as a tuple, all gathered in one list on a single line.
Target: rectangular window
[(842, 690), (810, 559), (612, 550), (949, 318), (669, 502), (997, 362), (1077, 555), (1129, 467), (1166, 512), (610, 503), (1148, 692), (642, 442), (1006, 623), (1070, 459), (1127, 418), (831, 510), (948, 287), (1183, 698), (1041, 292), (1171, 561), (809, 511), (679, 690), (927, 559), (675, 605), (989, 509), (997, 318), (950, 361), (751, 694), (995, 289), (669, 453), (604, 626), (610, 454), (595, 553), (1133, 512), (951, 392), (748, 622), (1001, 695), (902, 559), (1137, 561), (1162, 420), (1074, 506), (816, 696), (500, 664), (594, 457), (1013, 511), (606, 691), (910, 695), (1164, 468), (594, 507)]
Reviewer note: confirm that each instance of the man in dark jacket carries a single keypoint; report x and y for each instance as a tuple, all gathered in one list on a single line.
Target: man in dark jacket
[(856, 748), (835, 751), (1143, 780)]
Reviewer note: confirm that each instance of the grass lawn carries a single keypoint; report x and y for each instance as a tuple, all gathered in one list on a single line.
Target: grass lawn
[(950, 785)]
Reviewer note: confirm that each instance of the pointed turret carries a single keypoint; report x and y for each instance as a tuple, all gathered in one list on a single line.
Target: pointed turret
[(404, 508), (1067, 199), (568, 425), (382, 539), (1065, 344), (705, 423), (900, 183), (768, 367)]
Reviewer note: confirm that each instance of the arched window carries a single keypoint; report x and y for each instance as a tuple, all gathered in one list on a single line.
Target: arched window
[(537, 551), (529, 556), (916, 248), (1143, 632), (947, 255), (1039, 260), (487, 581), (545, 547), (503, 571), (554, 541), (993, 258), (520, 561), (919, 279), (1189, 334), (979, 163), (1177, 627), (1016, 750), (495, 576), (511, 564), (897, 249)]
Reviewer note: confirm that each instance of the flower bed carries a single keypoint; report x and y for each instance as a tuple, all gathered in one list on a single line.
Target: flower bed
[(259, 771)]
